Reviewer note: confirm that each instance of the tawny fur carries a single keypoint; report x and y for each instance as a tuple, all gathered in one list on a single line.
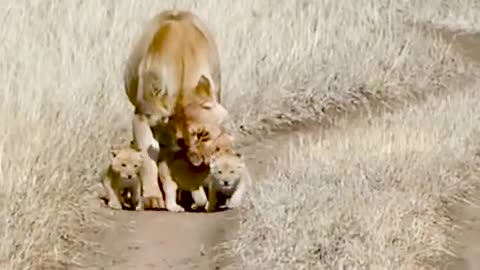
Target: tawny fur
[(173, 59), (228, 176), (123, 177)]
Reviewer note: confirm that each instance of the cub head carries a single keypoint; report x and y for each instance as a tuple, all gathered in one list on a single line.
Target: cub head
[(206, 142), (126, 162), (226, 169), (154, 102)]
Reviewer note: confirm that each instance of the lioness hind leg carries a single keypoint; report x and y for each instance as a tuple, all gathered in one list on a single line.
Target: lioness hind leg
[(137, 199), (212, 200), (169, 188), (199, 198)]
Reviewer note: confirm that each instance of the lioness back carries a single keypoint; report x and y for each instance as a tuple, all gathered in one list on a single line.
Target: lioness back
[(173, 52)]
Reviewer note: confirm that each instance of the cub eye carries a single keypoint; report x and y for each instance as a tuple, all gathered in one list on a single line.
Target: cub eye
[(124, 165), (217, 149), (148, 115), (135, 166), (220, 172), (232, 172)]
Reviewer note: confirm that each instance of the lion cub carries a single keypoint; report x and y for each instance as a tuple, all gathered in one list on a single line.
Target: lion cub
[(122, 181), (228, 177)]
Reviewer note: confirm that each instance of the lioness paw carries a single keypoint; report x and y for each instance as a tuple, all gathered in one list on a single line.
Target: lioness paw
[(174, 207)]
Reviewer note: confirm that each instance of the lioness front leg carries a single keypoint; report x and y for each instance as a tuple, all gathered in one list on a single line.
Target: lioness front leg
[(212, 200), (169, 188), (144, 140), (199, 198)]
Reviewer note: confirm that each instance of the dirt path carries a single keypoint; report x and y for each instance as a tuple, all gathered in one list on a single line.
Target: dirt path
[(162, 240), (180, 241), (466, 214)]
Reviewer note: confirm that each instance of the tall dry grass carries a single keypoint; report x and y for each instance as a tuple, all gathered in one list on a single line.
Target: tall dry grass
[(373, 195), (63, 102)]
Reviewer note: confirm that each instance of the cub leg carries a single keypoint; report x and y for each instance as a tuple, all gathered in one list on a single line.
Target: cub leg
[(236, 198), (113, 201)]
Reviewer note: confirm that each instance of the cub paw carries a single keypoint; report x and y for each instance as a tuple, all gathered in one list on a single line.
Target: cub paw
[(114, 205), (232, 204)]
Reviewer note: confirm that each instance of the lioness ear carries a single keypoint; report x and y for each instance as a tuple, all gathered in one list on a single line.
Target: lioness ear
[(204, 88)]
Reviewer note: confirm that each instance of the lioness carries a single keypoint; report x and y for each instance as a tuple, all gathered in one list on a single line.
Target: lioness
[(173, 59)]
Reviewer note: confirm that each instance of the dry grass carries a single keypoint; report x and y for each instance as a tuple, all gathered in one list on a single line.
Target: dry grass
[(369, 196), (63, 105)]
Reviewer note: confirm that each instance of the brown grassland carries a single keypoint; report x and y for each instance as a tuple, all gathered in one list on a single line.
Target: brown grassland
[(387, 113)]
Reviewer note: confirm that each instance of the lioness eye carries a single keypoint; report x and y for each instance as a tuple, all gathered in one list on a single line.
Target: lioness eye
[(124, 165), (232, 172), (135, 165), (220, 172), (217, 149)]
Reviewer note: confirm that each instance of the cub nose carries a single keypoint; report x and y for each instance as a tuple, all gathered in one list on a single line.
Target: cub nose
[(129, 176), (225, 183)]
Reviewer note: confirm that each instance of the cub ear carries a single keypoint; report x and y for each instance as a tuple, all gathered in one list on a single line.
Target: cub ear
[(113, 153), (211, 165), (204, 88), (240, 156)]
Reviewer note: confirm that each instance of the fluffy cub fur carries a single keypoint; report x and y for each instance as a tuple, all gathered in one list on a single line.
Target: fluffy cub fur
[(228, 177), (122, 181)]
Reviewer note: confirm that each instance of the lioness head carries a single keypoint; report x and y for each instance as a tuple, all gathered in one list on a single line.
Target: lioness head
[(226, 169), (126, 162), (153, 102)]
